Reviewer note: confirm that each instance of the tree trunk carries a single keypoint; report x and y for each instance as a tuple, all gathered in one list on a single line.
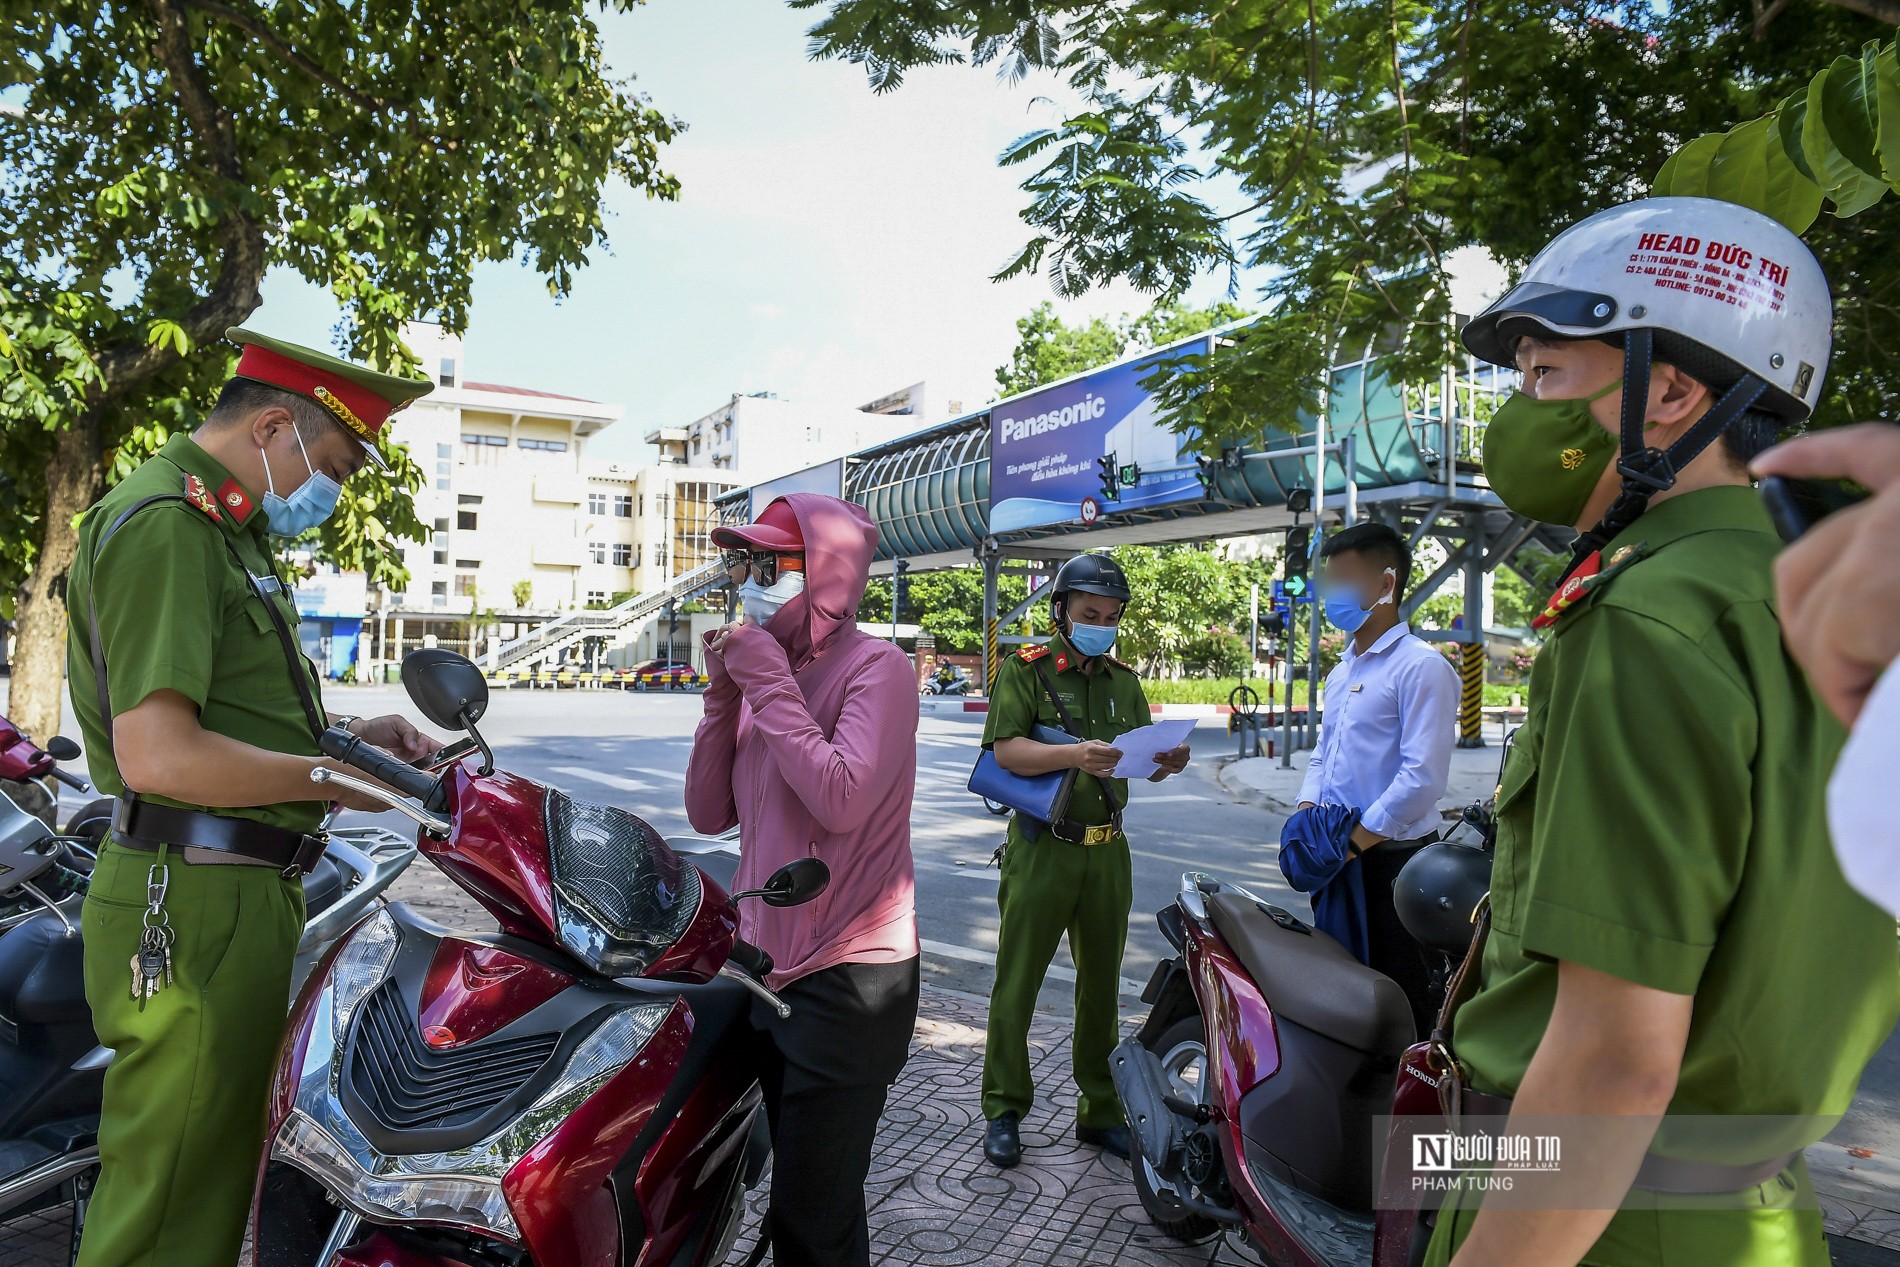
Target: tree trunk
[(39, 660)]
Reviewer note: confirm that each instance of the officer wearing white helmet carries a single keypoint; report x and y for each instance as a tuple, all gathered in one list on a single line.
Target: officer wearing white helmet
[(1676, 983)]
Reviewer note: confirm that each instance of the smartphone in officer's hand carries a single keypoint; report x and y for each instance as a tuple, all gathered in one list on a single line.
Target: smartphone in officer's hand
[(1796, 505)]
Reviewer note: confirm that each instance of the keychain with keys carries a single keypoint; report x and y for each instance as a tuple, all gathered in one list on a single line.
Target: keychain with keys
[(152, 963)]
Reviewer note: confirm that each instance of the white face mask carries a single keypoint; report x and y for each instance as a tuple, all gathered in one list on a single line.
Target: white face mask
[(761, 602)]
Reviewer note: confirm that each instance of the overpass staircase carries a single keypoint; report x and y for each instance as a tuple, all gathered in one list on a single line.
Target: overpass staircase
[(617, 624)]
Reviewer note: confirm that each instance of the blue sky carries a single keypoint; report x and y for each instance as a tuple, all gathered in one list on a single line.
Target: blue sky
[(829, 244)]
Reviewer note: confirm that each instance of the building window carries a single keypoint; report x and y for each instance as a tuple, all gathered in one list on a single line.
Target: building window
[(659, 557), (468, 499), (441, 557), (623, 505), (447, 375), (443, 452), (465, 584), (597, 596), (543, 446), (623, 556), (497, 442), (439, 593), (597, 503), (478, 450), (643, 503), (468, 565), (465, 520), (442, 525), (597, 551)]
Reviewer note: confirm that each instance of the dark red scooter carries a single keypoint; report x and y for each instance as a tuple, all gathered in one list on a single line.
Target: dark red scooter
[(573, 1088), (1274, 1070)]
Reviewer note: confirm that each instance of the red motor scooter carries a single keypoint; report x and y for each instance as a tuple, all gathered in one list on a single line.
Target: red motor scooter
[(1259, 1088), (572, 1089)]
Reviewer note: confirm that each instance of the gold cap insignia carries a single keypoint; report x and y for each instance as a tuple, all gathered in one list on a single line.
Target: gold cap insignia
[(1572, 459)]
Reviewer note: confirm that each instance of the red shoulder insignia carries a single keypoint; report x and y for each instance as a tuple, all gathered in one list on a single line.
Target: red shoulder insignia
[(1591, 575), (198, 495), (1033, 652), (232, 496), (1119, 664)]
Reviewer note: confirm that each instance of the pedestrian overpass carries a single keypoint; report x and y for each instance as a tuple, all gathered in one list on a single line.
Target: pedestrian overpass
[(1406, 454)]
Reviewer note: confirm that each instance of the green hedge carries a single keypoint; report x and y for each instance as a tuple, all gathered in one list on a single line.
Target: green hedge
[(1216, 690)]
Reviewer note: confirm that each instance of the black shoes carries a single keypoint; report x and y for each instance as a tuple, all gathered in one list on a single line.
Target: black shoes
[(1001, 1144), (1110, 1139)]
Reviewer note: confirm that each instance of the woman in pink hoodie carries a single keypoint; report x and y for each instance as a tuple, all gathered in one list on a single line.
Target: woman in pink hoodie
[(809, 745)]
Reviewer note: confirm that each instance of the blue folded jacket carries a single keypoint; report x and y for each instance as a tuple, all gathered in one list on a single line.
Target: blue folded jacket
[(1315, 848)]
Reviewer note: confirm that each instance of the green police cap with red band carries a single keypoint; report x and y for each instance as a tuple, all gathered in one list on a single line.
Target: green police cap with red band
[(359, 398)]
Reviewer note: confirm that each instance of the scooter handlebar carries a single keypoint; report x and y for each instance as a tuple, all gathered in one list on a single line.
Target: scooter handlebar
[(340, 745), (751, 958)]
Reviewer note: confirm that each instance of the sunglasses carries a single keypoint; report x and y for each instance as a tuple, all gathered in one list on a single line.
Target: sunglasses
[(763, 564)]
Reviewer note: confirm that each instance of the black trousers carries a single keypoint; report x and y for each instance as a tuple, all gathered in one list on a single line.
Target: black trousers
[(1391, 949), (825, 1071)]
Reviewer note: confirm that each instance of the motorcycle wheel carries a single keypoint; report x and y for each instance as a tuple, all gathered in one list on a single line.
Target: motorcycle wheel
[(995, 807), (1182, 1050)]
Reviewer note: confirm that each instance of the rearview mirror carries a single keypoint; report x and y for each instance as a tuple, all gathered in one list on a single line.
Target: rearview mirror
[(796, 883), (447, 687), (60, 748)]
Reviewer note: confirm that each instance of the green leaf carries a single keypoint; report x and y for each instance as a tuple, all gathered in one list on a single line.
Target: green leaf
[(1751, 168), (1789, 117), (1887, 86), (1686, 174), (1841, 131)]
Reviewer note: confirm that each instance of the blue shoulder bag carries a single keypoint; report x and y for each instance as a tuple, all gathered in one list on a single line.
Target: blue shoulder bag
[(1043, 797)]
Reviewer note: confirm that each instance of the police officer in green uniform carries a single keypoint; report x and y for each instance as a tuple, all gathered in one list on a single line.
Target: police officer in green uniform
[(200, 715), (1072, 876), (1677, 981)]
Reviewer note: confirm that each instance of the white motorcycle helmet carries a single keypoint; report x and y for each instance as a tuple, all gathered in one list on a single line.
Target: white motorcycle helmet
[(1724, 293)]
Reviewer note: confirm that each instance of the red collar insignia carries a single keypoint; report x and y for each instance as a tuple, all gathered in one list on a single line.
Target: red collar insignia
[(199, 496), (1570, 591), (1062, 661), (232, 496)]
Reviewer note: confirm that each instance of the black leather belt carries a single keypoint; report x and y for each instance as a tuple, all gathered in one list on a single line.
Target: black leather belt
[(143, 825), (1673, 1175)]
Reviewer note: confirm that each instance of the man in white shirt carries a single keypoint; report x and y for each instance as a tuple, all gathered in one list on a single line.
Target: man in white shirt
[(1839, 596), (1390, 712)]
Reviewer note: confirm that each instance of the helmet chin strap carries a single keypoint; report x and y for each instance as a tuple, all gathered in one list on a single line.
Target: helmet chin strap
[(1647, 470)]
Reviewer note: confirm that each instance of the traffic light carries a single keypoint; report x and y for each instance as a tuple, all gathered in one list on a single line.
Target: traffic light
[(1131, 474), (901, 599), (1272, 623), (1299, 544), (1111, 476), (1299, 500), (1204, 471)]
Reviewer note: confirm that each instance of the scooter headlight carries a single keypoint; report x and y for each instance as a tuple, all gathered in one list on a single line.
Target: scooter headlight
[(461, 1187), (360, 967)]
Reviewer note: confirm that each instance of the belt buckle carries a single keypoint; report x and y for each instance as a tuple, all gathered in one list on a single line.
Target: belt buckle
[(1099, 835)]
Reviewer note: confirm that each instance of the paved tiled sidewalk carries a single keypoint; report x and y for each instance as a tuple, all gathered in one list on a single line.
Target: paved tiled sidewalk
[(933, 1198)]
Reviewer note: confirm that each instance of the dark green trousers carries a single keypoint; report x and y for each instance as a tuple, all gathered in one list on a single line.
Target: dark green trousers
[(182, 1125), (1049, 888)]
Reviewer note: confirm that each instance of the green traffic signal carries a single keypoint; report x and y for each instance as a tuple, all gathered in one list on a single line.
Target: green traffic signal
[(1296, 586)]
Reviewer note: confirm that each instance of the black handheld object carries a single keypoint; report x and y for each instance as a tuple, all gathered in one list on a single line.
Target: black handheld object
[(340, 745), (1796, 505)]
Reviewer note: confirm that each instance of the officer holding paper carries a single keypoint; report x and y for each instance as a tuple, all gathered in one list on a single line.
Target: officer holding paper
[(1070, 876)]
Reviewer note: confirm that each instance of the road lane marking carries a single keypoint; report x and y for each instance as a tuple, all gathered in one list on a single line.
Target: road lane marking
[(620, 782), (970, 954)]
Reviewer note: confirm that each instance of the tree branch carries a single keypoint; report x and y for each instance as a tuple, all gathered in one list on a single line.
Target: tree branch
[(260, 30), (1887, 11), (234, 294)]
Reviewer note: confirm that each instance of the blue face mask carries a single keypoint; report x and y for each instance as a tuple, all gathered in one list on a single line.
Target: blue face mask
[(313, 502), (1344, 611), (1091, 640)]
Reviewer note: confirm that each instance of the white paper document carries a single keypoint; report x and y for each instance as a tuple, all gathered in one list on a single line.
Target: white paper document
[(1140, 747)]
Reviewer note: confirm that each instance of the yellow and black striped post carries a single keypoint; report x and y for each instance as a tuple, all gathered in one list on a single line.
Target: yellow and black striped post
[(992, 653), (1471, 701)]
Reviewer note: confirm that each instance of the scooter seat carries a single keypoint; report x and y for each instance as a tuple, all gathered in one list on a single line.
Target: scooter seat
[(322, 886), (42, 973), (1312, 980)]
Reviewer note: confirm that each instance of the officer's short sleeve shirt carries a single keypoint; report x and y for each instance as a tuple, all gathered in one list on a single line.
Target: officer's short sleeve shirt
[(177, 613), (1661, 820)]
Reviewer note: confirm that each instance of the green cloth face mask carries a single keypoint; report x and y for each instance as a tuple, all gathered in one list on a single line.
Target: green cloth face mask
[(1544, 457)]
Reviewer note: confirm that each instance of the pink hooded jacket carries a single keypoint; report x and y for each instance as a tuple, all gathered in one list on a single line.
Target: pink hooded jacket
[(809, 745)]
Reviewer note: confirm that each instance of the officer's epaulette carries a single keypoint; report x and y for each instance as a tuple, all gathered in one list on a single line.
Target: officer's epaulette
[(1118, 663), (1033, 652), (1590, 575), (198, 495)]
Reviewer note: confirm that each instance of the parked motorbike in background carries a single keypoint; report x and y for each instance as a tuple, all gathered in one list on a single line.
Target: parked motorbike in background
[(28, 773), (575, 1086), (52, 1068), (1256, 1087), (947, 680)]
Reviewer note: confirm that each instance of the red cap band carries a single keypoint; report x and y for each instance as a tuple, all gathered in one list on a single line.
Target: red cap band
[(361, 411)]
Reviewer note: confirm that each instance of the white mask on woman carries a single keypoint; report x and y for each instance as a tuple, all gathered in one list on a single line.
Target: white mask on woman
[(762, 602)]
